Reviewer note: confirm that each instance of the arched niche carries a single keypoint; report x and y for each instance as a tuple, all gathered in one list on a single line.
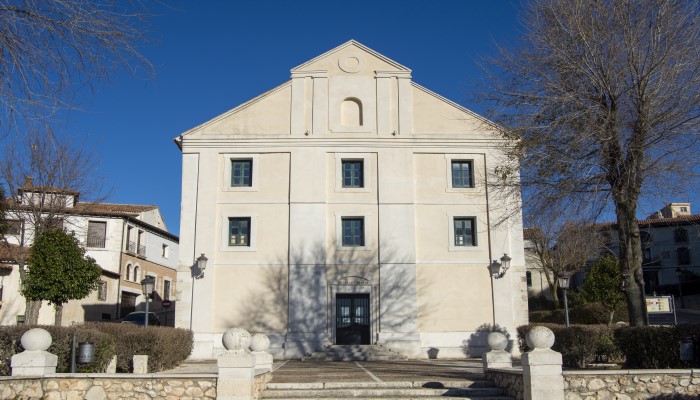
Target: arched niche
[(351, 112)]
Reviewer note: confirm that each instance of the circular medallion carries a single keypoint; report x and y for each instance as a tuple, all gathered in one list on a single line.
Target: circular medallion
[(351, 63)]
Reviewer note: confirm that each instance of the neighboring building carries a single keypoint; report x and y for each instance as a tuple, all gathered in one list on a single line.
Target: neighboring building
[(670, 247), (535, 277), (127, 241), (348, 205)]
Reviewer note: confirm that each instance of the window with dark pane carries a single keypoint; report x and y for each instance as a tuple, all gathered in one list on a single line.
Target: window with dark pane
[(352, 173), (239, 232), (683, 256), (462, 174), (464, 232), (241, 173), (353, 232)]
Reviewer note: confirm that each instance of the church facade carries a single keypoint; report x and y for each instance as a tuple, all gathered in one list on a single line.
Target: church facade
[(348, 205)]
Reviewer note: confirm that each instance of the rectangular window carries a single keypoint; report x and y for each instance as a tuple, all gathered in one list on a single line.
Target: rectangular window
[(666, 255), (462, 174), (528, 277), (102, 291), (13, 227), (683, 256), (97, 231), (140, 244), (464, 232), (353, 231), (241, 173), (166, 251), (353, 173), (166, 290), (681, 235), (239, 231)]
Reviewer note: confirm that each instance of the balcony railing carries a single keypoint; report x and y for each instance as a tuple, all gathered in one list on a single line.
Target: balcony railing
[(131, 247), (96, 242), (142, 250)]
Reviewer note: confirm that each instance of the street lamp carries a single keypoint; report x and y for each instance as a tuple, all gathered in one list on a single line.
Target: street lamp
[(679, 274), (498, 269), (147, 285), (564, 282), (198, 268)]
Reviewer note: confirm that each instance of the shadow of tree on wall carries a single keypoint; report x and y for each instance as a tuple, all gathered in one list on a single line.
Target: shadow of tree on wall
[(476, 345), (308, 279)]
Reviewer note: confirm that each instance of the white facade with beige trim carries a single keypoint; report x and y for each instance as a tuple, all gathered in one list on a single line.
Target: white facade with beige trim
[(329, 213)]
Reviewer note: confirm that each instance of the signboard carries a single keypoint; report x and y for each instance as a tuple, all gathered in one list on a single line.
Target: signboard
[(660, 304), (661, 310), (167, 303)]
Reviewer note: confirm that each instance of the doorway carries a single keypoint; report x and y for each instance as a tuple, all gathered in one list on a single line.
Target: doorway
[(352, 318)]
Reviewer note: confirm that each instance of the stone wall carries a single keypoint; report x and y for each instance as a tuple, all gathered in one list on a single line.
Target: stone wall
[(510, 380), (101, 386), (632, 384)]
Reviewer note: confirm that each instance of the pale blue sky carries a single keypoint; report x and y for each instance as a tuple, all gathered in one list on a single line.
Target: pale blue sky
[(210, 56)]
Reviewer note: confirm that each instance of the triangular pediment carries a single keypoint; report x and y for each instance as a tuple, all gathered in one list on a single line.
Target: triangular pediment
[(351, 57)]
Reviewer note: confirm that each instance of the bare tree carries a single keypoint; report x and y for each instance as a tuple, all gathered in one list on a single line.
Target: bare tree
[(603, 101), (50, 48), (559, 245), (44, 177)]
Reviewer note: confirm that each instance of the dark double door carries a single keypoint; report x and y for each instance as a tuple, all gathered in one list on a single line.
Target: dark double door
[(352, 319)]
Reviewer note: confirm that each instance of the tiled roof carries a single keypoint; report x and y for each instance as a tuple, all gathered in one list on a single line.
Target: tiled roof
[(113, 209), (47, 189), (684, 220), (9, 253)]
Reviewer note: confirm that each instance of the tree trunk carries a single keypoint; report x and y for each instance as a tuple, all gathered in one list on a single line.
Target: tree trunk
[(631, 261), (31, 312), (59, 314)]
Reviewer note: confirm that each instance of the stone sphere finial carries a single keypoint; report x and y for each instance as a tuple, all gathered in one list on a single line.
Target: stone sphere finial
[(259, 342), (36, 339), (236, 340), (497, 341), (540, 337)]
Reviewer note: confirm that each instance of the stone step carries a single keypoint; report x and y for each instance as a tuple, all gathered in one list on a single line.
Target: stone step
[(499, 397), (463, 384), (382, 393), (355, 353)]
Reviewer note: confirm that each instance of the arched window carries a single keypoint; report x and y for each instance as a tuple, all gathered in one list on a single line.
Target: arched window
[(351, 112), (128, 272), (136, 274)]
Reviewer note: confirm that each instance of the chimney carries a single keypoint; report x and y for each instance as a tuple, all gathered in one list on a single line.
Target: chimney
[(28, 181)]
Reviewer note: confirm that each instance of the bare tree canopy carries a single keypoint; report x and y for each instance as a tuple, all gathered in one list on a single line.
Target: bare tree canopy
[(603, 100), (50, 48)]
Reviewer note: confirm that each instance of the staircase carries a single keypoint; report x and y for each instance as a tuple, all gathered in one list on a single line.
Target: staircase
[(475, 390), (355, 353)]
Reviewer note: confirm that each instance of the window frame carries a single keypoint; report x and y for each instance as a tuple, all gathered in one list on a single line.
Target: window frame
[(680, 235), (367, 172), (246, 180), (104, 238), (475, 232), (166, 290), (352, 162), (476, 161), (367, 226), (227, 174), (225, 231), (239, 221), (472, 229), (353, 236), (12, 222), (470, 163), (102, 291), (686, 258)]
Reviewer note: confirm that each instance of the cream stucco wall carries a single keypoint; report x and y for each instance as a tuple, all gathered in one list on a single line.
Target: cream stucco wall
[(425, 292)]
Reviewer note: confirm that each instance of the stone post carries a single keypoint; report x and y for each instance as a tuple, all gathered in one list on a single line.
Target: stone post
[(258, 345), (542, 377), (34, 360), (236, 367), (497, 357), (140, 364)]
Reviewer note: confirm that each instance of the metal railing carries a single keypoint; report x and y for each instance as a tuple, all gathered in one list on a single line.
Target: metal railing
[(131, 247), (96, 242), (142, 250)]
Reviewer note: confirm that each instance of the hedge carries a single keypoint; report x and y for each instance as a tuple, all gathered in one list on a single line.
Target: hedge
[(165, 347), (578, 344), (60, 346)]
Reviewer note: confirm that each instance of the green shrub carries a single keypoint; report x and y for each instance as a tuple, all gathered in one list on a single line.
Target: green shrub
[(62, 339), (165, 347), (589, 314), (547, 317), (578, 344), (650, 347)]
